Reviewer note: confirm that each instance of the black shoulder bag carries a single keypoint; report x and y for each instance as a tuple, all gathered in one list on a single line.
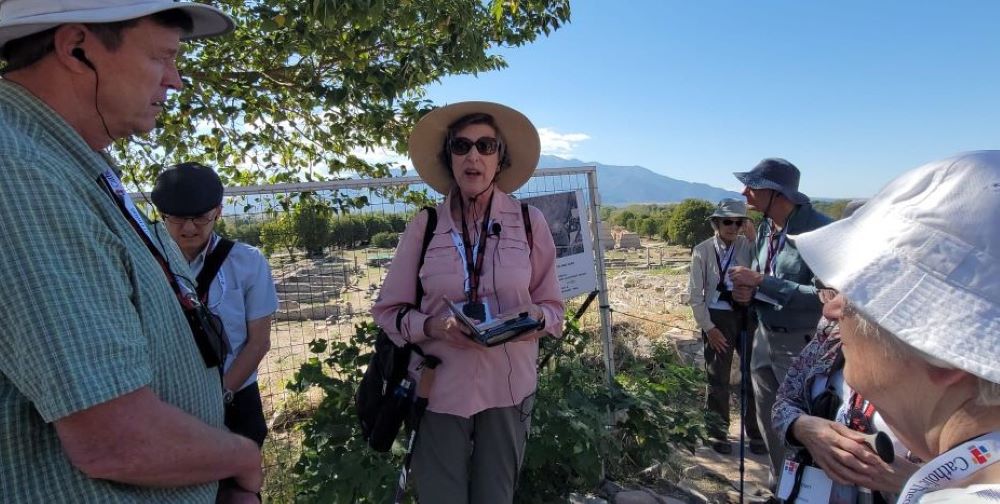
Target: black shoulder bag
[(384, 396)]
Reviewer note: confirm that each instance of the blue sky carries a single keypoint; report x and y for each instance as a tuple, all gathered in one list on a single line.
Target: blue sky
[(852, 92)]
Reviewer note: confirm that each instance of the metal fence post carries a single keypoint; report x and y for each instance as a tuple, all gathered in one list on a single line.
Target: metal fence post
[(602, 283)]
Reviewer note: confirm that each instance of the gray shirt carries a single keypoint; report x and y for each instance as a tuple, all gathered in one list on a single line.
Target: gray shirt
[(791, 281)]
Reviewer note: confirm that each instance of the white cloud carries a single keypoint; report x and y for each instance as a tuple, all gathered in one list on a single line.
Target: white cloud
[(560, 144)]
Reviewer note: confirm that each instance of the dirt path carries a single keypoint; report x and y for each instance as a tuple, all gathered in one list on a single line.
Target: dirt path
[(657, 296)]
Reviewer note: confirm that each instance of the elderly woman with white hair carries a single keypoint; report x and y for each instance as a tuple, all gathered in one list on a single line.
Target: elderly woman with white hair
[(916, 274)]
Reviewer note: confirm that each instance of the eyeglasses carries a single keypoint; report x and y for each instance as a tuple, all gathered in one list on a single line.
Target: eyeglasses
[(485, 145), (826, 295), (199, 221), (730, 222)]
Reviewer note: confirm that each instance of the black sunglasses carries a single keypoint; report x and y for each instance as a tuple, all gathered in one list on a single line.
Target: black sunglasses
[(730, 222), (485, 145)]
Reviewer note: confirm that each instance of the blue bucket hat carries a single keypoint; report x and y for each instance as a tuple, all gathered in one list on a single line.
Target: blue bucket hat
[(776, 174)]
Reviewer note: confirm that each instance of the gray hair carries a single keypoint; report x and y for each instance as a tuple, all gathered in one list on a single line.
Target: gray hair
[(989, 392)]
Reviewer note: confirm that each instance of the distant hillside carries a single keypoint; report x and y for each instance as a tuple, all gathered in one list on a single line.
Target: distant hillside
[(623, 185)]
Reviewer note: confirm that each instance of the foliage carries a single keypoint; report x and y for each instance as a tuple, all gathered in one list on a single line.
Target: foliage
[(648, 227), (310, 225), (689, 223), (349, 231), (302, 86), (336, 466), (385, 239), (241, 229), (646, 220), (833, 209), (652, 401), (277, 234), (606, 212)]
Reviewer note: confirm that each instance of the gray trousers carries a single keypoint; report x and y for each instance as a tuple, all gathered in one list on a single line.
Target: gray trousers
[(471, 460), (773, 353)]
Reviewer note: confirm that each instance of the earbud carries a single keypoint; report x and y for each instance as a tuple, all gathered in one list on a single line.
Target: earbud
[(78, 53)]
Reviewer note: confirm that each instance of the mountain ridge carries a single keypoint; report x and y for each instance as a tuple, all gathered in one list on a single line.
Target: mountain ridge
[(629, 185)]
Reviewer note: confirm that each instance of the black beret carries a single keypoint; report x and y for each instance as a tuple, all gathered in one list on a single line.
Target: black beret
[(187, 190)]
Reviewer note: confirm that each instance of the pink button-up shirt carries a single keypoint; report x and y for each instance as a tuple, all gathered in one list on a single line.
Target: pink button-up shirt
[(470, 380)]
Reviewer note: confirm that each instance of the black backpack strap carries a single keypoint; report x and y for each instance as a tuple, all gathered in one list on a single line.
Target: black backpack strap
[(527, 227), (432, 219), (428, 235), (213, 262)]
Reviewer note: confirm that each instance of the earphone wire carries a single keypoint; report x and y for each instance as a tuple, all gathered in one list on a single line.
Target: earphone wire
[(131, 172)]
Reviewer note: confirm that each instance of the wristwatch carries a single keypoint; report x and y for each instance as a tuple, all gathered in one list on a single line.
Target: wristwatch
[(227, 396)]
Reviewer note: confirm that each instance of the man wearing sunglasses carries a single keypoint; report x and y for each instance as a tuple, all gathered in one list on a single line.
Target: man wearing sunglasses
[(721, 320)]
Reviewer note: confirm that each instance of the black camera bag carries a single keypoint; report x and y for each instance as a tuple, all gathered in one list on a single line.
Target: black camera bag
[(382, 400)]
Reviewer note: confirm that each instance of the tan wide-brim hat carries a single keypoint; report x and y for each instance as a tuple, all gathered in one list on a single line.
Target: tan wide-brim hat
[(20, 18), (519, 135)]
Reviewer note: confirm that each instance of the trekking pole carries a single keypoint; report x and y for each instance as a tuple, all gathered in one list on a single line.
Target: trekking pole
[(429, 365), (744, 378)]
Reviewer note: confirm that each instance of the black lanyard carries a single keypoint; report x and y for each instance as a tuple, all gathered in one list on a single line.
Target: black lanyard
[(731, 251), (474, 271)]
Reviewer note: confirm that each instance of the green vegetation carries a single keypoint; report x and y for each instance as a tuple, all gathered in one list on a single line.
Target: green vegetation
[(652, 402), (832, 209), (685, 223), (385, 239), (302, 85)]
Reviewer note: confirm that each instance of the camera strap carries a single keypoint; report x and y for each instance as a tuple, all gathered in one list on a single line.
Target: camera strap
[(185, 296), (205, 330)]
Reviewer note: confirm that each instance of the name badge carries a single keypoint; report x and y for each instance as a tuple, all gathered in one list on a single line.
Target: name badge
[(815, 487)]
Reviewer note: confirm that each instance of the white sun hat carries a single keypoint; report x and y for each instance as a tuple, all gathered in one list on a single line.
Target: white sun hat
[(20, 18), (922, 259)]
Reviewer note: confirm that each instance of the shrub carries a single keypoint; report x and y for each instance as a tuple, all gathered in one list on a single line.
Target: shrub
[(277, 234), (689, 223), (346, 231), (385, 239), (310, 222), (655, 400), (241, 229)]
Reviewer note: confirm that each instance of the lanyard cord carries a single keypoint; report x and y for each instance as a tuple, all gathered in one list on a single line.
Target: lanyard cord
[(185, 297), (474, 271), (730, 252), (774, 248), (951, 467)]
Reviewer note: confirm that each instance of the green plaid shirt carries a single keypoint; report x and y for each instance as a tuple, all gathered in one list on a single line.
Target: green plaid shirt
[(87, 313)]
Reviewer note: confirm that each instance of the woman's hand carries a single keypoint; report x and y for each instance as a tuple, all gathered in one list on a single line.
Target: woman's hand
[(716, 340), (534, 311), (745, 277), (890, 477), (840, 452), (449, 330)]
